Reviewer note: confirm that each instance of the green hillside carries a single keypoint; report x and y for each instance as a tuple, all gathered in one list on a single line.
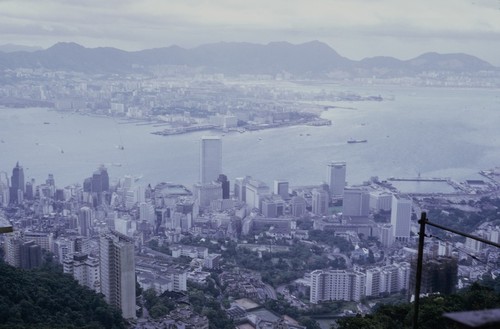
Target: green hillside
[(46, 298)]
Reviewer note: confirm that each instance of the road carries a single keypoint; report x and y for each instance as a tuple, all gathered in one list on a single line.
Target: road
[(269, 291)]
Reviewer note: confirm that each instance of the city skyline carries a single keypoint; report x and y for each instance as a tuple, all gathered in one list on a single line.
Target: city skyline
[(356, 29)]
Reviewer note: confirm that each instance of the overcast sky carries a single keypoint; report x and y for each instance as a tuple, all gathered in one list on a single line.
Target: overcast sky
[(354, 28)]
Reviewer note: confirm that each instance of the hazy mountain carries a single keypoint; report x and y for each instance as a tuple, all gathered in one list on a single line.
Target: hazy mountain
[(451, 62), (311, 59)]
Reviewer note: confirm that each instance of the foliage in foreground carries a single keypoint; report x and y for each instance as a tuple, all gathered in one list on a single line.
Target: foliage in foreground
[(46, 298), (476, 297)]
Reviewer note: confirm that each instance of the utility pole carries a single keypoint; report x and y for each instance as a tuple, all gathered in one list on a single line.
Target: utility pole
[(424, 221)]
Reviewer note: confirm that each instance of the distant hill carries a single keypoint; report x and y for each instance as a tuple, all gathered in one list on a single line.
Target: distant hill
[(311, 59)]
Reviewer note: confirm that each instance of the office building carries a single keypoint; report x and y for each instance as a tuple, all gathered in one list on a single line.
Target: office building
[(254, 191), (319, 202), (401, 217), (147, 213), (380, 201), (327, 285), (240, 184), (17, 187), (356, 202), (226, 186), (206, 193), (117, 271), (298, 206), (210, 159), (272, 206), (29, 192), (280, 187), (336, 178), (100, 180)]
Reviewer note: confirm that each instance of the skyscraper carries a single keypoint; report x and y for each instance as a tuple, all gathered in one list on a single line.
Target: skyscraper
[(335, 178), (240, 184), (226, 186), (100, 180), (210, 159), (281, 188), (319, 202), (117, 271), (85, 218), (401, 217), (17, 184)]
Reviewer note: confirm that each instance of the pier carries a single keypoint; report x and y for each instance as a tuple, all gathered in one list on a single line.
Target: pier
[(419, 179)]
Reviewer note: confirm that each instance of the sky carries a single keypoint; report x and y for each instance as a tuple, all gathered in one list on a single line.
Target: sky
[(354, 28)]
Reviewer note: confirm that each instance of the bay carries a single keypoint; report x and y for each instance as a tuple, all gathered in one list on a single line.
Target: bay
[(434, 132)]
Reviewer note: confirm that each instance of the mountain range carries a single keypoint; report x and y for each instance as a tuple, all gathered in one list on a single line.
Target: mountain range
[(311, 59)]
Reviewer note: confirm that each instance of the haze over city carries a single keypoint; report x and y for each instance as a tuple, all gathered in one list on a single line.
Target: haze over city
[(355, 28), (266, 172)]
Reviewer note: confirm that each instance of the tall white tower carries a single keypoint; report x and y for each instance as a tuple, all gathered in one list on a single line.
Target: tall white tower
[(117, 270), (210, 159), (401, 217), (335, 178)]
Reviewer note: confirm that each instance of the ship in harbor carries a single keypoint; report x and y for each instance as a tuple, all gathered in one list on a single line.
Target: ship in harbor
[(354, 141)]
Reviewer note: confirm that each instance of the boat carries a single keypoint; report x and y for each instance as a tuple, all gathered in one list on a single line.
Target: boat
[(354, 141)]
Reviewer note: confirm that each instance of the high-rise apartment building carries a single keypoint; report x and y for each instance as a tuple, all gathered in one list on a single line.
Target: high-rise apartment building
[(85, 218), (12, 249), (210, 159), (401, 217), (387, 279), (335, 178), (4, 189), (31, 255), (44, 239), (117, 271), (439, 275), (84, 269), (329, 285)]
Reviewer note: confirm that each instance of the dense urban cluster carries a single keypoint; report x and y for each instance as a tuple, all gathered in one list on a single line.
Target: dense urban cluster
[(221, 254)]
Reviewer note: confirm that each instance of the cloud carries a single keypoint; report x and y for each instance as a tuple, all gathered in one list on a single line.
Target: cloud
[(149, 23)]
